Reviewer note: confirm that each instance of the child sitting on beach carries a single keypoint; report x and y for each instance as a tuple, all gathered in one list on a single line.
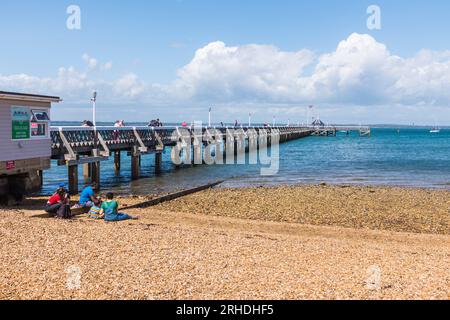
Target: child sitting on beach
[(109, 210), (94, 213)]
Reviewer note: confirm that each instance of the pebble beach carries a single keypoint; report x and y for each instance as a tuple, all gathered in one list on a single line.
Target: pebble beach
[(297, 242)]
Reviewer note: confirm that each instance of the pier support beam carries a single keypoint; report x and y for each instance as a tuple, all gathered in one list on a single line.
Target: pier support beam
[(197, 153), (87, 171), (117, 161), (41, 177), (135, 167), (158, 162), (96, 174), (73, 179), (235, 148)]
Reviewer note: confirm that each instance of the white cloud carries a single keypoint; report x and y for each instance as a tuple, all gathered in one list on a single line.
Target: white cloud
[(129, 85), (68, 82), (106, 66), (92, 63), (359, 72), (251, 72)]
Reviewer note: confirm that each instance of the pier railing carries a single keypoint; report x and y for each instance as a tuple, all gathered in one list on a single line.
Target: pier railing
[(82, 140)]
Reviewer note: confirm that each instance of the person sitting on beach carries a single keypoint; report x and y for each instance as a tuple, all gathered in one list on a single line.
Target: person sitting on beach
[(94, 212), (109, 210), (87, 196), (59, 198), (63, 187)]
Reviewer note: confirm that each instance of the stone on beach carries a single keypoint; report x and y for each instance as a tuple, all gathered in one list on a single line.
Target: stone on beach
[(171, 254)]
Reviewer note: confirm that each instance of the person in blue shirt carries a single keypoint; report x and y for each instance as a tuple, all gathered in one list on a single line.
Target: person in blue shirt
[(88, 197)]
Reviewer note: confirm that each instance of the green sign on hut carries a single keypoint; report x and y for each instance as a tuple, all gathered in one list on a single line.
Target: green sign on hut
[(20, 117)]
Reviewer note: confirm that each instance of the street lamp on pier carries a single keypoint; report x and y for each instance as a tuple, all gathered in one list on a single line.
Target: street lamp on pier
[(94, 100)]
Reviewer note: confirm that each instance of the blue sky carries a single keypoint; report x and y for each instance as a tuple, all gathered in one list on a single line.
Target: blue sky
[(141, 46)]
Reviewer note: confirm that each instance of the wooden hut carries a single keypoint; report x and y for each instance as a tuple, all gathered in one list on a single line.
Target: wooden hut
[(25, 147)]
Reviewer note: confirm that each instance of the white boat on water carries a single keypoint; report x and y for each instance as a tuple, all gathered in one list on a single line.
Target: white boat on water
[(435, 130)]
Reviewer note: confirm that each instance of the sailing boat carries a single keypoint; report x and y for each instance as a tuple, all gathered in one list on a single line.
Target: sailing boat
[(435, 130)]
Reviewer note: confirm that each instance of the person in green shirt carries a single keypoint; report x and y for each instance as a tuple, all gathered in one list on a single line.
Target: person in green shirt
[(110, 209)]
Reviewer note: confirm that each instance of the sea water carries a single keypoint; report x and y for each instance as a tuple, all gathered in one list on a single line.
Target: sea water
[(390, 157)]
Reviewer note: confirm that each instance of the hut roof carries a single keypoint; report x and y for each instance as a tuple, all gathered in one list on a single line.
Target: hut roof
[(28, 97)]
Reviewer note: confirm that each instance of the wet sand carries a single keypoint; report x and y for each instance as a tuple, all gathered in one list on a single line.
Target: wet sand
[(376, 208), (241, 250)]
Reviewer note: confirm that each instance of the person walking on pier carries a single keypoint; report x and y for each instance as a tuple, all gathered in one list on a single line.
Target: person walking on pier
[(118, 124), (87, 123), (155, 123)]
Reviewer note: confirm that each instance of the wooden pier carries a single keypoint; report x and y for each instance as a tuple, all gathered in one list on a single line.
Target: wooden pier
[(328, 131), (89, 146)]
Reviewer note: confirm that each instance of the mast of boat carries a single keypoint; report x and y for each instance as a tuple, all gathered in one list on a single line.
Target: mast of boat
[(435, 129)]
